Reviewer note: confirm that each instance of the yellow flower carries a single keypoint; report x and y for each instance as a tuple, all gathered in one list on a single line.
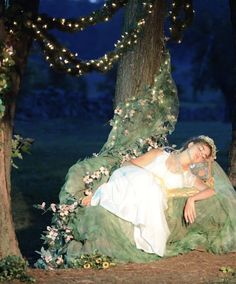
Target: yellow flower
[(87, 265), (105, 264), (98, 260)]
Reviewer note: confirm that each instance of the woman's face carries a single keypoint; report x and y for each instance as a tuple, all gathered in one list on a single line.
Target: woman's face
[(199, 152)]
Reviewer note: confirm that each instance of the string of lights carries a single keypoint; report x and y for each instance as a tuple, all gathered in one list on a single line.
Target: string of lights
[(63, 59), (73, 25), (181, 16)]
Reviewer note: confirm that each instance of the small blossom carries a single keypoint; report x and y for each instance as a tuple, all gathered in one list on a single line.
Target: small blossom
[(105, 265), (42, 206), (118, 111), (53, 207), (68, 238), (87, 265), (126, 132), (88, 192), (132, 112), (59, 260), (48, 258)]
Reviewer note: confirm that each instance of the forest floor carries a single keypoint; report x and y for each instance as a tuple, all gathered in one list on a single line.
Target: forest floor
[(194, 267), (58, 145)]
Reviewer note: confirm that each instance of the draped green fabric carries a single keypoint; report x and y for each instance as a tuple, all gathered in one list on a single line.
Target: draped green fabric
[(213, 230), (139, 124)]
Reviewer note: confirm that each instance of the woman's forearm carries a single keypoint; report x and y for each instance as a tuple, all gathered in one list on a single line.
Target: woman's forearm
[(204, 194)]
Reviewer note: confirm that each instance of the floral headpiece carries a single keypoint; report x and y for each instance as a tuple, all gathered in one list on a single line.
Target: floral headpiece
[(211, 143)]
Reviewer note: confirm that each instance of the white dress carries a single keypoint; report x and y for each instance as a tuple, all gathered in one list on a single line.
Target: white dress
[(138, 195)]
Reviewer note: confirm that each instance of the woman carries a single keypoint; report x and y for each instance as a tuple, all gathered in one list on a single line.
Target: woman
[(138, 193)]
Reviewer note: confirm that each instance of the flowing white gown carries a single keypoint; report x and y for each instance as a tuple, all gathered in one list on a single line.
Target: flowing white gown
[(138, 195)]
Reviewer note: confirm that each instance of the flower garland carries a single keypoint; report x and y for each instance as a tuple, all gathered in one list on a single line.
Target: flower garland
[(6, 64)]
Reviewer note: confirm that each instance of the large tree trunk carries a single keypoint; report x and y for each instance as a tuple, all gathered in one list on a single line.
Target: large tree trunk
[(139, 65), (8, 241), (232, 153)]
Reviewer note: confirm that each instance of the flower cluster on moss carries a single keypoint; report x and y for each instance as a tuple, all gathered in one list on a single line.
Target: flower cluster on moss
[(94, 260), (57, 236)]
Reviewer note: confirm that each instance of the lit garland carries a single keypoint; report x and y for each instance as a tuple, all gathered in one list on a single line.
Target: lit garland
[(6, 64), (73, 25), (60, 57), (181, 16), (63, 59)]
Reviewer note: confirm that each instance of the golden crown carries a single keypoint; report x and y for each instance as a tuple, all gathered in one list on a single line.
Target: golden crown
[(211, 143)]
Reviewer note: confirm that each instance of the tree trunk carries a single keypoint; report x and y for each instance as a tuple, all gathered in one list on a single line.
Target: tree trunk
[(232, 153), (8, 241), (138, 66)]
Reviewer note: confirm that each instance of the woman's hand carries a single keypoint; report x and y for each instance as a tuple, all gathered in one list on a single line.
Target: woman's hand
[(189, 211)]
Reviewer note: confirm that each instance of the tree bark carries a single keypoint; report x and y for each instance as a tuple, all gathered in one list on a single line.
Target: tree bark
[(21, 45), (138, 66), (232, 152)]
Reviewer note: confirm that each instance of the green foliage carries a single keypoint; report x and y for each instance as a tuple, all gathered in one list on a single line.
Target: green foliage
[(229, 274), (6, 64), (57, 236), (20, 145), (228, 270), (14, 267), (94, 260)]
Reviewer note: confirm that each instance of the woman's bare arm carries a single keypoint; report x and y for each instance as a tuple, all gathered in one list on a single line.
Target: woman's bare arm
[(205, 192)]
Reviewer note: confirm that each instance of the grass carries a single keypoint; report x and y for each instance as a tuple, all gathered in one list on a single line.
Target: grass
[(59, 143)]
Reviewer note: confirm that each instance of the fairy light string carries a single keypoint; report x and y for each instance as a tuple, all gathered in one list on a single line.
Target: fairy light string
[(73, 25), (181, 15), (63, 59)]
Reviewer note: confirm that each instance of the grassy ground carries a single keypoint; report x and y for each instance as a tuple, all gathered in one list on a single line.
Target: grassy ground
[(58, 145)]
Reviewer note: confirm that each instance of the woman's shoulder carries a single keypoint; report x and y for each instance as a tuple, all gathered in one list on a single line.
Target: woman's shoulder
[(157, 151)]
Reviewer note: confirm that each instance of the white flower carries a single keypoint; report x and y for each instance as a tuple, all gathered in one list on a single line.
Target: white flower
[(48, 258), (142, 102), (68, 238), (95, 154), (42, 206), (126, 132), (132, 112), (88, 192), (59, 260), (53, 207), (118, 111)]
